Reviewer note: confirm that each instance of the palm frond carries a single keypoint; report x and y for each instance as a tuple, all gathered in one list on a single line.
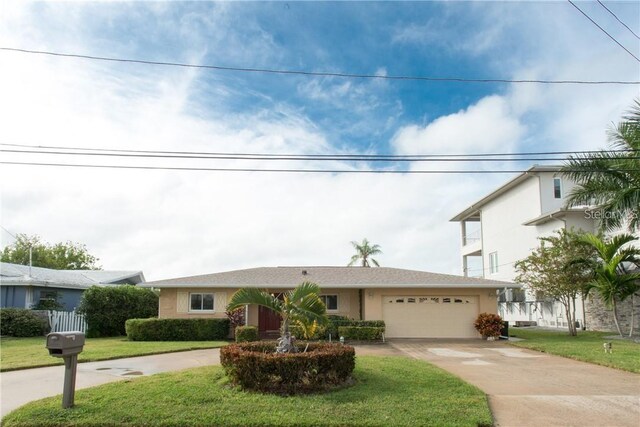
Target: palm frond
[(247, 296)]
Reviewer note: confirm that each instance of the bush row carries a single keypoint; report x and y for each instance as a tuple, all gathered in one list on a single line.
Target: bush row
[(361, 333), (336, 322), (256, 366), (22, 322), (177, 329), (106, 309), (246, 334)]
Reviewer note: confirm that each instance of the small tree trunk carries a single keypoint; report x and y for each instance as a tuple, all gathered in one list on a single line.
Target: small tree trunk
[(632, 307), (615, 317), (573, 317)]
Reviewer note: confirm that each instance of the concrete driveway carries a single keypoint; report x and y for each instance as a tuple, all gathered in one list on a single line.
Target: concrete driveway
[(528, 388), (24, 386)]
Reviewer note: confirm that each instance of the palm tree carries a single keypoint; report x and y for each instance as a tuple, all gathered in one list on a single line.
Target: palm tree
[(302, 304), (611, 279), (364, 252), (611, 179)]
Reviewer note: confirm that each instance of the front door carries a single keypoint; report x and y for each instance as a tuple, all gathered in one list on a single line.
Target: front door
[(268, 323)]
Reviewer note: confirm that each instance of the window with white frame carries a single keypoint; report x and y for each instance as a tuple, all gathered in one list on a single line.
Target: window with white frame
[(557, 188), (330, 301), (493, 262), (201, 302)]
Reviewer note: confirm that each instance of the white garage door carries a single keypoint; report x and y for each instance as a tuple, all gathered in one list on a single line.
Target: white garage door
[(430, 316)]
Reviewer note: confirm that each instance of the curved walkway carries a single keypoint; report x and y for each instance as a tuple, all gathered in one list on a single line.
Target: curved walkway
[(24, 386), (528, 388)]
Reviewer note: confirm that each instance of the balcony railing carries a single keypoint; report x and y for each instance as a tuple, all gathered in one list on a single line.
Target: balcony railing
[(471, 238)]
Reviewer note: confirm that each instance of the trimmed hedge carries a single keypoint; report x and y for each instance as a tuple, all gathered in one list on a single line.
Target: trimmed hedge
[(361, 333), (106, 309), (256, 366), (336, 322), (246, 333), (22, 322), (177, 329)]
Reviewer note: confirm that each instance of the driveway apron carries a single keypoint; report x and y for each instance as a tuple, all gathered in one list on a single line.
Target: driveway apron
[(24, 386), (528, 388)]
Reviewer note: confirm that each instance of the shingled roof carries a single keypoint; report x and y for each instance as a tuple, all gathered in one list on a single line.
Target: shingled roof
[(328, 277), (23, 275)]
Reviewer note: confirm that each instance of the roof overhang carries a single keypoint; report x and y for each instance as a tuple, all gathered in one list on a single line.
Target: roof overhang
[(473, 210), (557, 214), (496, 285)]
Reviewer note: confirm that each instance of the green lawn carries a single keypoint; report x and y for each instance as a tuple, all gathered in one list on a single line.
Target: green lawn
[(587, 346), (393, 391), (20, 353)]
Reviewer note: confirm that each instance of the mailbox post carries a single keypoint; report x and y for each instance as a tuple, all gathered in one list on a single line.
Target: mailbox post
[(67, 345)]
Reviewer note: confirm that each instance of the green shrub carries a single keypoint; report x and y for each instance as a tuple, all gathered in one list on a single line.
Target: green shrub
[(106, 309), (298, 332), (361, 333), (337, 321), (21, 322), (489, 324), (177, 329), (256, 366), (246, 333)]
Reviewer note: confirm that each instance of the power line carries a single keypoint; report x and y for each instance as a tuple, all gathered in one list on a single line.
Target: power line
[(334, 171), (618, 19), (306, 157), (319, 73), (321, 156), (603, 30), (10, 233)]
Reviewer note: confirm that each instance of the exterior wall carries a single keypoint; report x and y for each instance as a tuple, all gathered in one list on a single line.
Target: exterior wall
[(502, 229), (600, 318), (168, 307), (373, 298), (13, 296)]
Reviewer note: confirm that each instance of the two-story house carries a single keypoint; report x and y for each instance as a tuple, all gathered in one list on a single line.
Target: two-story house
[(504, 226)]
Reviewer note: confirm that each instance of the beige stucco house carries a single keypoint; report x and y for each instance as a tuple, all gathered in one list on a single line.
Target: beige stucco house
[(413, 304)]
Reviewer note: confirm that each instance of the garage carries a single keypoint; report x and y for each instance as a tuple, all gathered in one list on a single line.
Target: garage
[(430, 316)]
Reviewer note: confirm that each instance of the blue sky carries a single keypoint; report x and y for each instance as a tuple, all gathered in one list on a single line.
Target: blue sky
[(148, 220)]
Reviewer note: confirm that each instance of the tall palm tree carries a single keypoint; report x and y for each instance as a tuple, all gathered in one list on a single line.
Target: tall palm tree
[(364, 251), (611, 278), (302, 304), (610, 179)]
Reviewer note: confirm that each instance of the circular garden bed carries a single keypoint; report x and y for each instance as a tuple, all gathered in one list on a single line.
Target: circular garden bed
[(256, 366)]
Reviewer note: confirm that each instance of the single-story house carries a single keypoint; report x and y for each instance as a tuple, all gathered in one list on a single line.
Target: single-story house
[(23, 286), (413, 304)]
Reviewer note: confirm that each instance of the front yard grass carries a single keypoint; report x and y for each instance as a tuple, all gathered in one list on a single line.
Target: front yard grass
[(21, 353), (587, 346), (393, 391)]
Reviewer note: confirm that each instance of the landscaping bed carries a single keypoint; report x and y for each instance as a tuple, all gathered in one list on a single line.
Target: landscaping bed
[(587, 347), (387, 391), (22, 353), (314, 367)]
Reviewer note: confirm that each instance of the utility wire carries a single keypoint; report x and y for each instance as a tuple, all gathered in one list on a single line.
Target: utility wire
[(10, 233), (258, 156), (603, 30), (618, 19), (320, 73), (334, 171), (333, 158)]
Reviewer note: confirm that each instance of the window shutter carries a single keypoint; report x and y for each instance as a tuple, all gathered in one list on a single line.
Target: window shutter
[(343, 303), (182, 302), (220, 302)]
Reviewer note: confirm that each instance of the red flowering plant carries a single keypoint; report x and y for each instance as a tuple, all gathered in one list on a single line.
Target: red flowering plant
[(489, 325)]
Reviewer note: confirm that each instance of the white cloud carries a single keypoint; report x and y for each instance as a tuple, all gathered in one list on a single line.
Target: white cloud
[(487, 126)]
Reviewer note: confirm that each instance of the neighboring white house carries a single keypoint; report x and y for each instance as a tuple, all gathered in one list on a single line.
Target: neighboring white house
[(504, 226)]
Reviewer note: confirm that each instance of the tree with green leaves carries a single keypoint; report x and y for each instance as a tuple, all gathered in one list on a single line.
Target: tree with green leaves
[(556, 270), (364, 252), (302, 304), (611, 278), (59, 256), (610, 179)]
